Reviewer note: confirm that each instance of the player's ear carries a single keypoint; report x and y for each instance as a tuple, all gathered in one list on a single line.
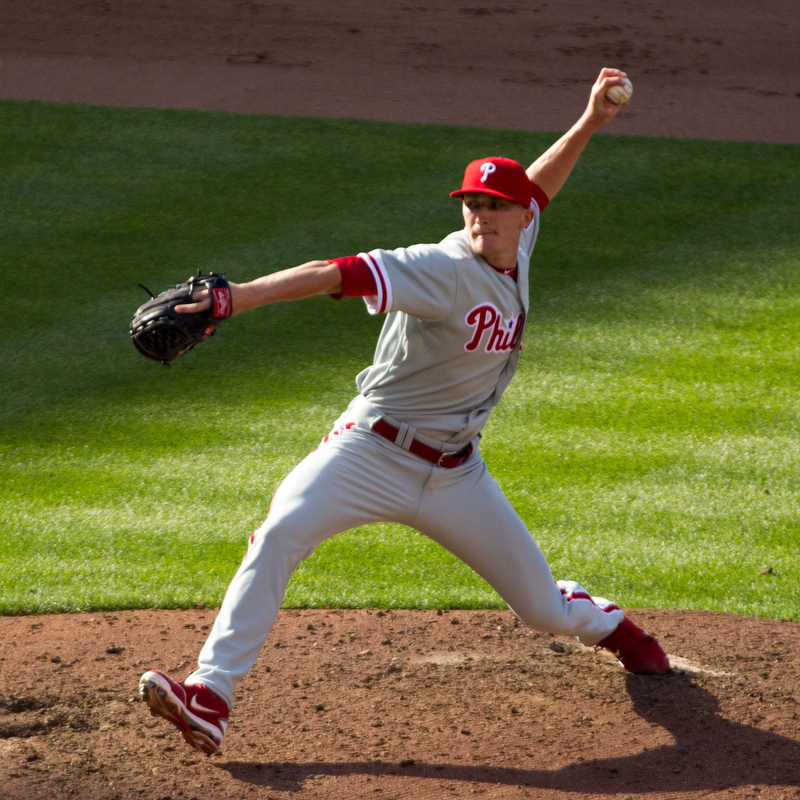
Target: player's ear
[(527, 219)]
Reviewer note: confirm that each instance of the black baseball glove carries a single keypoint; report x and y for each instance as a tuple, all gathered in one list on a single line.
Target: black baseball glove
[(162, 334)]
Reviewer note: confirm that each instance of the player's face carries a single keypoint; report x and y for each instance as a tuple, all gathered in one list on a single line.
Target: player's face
[(494, 226)]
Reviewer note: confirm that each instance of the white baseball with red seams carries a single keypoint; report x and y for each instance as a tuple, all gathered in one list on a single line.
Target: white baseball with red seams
[(620, 95)]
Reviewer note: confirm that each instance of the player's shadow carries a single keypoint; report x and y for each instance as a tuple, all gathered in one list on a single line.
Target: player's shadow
[(709, 753)]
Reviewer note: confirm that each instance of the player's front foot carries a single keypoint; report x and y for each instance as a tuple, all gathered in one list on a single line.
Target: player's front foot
[(638, 651), (200, 715)]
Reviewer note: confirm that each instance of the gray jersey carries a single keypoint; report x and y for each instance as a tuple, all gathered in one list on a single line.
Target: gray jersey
[(451, 340)]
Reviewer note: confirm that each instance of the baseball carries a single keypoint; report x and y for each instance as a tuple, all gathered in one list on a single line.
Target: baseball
[(620, 95)]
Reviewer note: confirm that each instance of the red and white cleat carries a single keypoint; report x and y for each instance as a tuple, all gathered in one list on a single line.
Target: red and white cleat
[(199, 714), (638, 651)]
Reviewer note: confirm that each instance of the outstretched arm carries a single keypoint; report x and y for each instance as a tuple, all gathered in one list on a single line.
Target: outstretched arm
[(296, 283), (551, 170)]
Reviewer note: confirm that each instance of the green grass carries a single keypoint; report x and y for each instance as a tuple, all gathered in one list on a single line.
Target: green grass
[(650, 440)]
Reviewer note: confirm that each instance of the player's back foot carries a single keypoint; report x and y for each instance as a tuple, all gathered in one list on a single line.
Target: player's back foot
[(200, 715), (639, 652)]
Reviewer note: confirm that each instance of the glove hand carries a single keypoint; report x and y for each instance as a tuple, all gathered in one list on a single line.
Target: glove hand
[(200, 302), (182, 316)]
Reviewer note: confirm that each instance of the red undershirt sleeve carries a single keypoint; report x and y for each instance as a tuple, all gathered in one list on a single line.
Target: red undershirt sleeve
[(542, 200), (357, 277)]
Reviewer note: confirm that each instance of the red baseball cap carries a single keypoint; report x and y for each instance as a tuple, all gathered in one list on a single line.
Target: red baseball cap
[(502, 177)]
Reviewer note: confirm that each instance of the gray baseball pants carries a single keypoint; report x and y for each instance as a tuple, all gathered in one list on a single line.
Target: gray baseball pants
[(356, 478)]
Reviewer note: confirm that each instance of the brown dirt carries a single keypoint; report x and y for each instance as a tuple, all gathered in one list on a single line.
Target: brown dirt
[(410, 704), (719, 69), (404, 704)]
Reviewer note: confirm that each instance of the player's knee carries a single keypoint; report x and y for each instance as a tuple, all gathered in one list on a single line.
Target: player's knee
[(287, 536), (548, 616)]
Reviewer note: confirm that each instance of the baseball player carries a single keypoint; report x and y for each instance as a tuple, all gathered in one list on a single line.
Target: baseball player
[(407, 449)]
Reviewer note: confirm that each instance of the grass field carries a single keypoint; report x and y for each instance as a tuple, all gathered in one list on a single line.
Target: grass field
[(650, 441)]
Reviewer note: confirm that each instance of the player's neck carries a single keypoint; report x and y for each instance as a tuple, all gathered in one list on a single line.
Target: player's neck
[(500, 260), (510, 271)]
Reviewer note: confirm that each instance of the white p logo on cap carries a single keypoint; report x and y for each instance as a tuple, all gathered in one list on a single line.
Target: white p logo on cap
[(487, 169)]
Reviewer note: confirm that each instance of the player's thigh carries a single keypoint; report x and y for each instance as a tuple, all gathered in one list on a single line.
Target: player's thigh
[(473, 519), (347, 482)]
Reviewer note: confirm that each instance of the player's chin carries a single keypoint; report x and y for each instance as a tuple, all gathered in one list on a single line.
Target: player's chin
[(483, 243)]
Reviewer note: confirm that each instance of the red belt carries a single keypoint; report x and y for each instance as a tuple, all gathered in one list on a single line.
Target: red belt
[(444, 460)]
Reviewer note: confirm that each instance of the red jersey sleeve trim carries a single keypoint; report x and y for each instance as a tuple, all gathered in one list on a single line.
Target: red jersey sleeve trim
[(542, 200), (383, 300), (358, 279)]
